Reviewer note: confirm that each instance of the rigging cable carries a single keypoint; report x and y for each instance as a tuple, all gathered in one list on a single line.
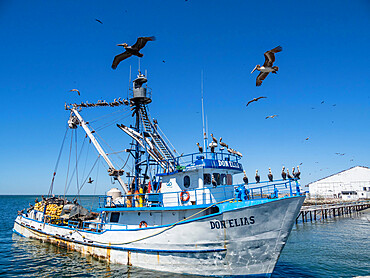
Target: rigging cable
[(89, 172), (73, 173), (105, 116), (77, 158), (69, 162), (57, 164), (96, 183)]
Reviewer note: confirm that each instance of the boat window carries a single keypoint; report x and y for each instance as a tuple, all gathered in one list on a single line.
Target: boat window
[(186, 181), (223, 179), (206, 178), (229, 180), (114, 217), (217, 178)]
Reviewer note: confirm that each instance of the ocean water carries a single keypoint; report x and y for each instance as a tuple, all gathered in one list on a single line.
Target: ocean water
[(337, 247)]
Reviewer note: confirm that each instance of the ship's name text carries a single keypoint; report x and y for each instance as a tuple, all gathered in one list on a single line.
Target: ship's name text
[(232, 223)]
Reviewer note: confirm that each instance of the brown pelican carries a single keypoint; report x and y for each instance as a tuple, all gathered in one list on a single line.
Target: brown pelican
[(131, 50), (298, 174), (245, 178), (223, 144), (271, 117), (238, 153), (98, 21), (200, 148), (212, 146), (289, 175), (214, 183), (257, 177), (293, 172), (283, 174), (255, 99), (307, 138), (125, 101), (90, 180), (267, 66), (214, 139), (270, 176), (75, 90)]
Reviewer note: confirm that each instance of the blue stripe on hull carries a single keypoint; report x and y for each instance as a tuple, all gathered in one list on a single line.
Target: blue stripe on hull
[(122, 248), (14, 231)]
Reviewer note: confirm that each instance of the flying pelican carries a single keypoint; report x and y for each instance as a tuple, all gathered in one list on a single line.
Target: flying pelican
[(257, 177), (214, 139), (307, 138), (200, 148), (283, 174), (270, 176), (271, 117), (245, 178), (267, 66), (255, 99), (98, 21), (131, 50), (90, 180), (75, 90), (223, 144)]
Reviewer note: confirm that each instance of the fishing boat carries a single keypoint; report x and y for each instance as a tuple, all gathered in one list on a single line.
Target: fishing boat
[(174, 213)]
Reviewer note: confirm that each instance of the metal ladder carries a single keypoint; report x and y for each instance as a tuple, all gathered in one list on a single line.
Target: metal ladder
[(157, 139)]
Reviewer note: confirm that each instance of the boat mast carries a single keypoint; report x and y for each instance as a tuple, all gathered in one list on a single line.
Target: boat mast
[(112, 170), (146, 136)]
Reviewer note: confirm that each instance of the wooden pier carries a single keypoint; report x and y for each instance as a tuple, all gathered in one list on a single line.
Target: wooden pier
[(319, 212)]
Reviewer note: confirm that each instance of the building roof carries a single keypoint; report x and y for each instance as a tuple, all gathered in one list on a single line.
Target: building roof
[(338, 173)]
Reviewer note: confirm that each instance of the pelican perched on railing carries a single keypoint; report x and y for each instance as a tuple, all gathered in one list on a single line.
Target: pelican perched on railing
[(267, 66)]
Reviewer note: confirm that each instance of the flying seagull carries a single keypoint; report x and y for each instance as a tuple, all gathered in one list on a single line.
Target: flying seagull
[(131, 50), (267, 66), (271, 117), (98, 21), (75, 90), (255, 99)]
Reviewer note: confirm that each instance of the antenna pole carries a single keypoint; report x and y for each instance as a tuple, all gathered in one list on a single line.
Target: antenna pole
[(129, 82), (139, 65), (204, 131), (205, 140)]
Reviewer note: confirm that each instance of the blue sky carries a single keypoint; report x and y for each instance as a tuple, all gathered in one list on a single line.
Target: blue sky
[(51, 47)]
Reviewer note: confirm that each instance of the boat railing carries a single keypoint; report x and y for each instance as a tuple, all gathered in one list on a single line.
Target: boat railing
[(192, 157), (206, 195)]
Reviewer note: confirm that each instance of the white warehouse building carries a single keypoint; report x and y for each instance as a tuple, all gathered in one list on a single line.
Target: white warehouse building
[(350, 184)]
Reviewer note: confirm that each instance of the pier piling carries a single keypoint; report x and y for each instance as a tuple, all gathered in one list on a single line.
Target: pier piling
[(333, 210)]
